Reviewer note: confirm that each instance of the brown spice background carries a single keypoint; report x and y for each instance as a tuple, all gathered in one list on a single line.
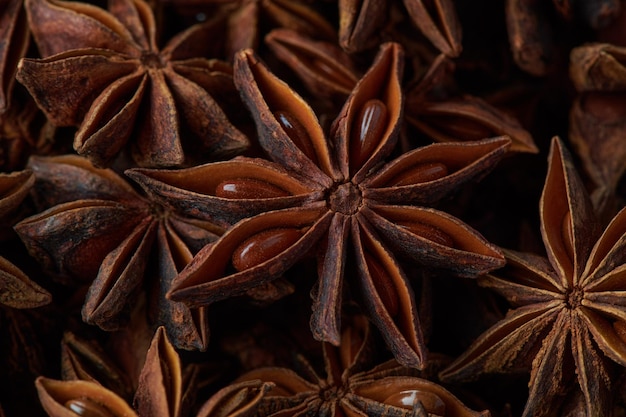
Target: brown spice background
[(312, 207)]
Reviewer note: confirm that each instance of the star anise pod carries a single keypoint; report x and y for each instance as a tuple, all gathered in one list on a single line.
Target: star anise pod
[(349, 388), (568, 318), (14, 39), (104, 72), (329, 74), (359, 21), (597, 123), (334, 194), (160, 393), (99, 228), (247, 21)]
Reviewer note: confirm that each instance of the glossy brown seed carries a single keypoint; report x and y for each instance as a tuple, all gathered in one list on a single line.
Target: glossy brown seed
[(428, 171), (384, 286), (248, 188), (296, 132), (407, 399), (620, 329), (430, 232), (367, 132), (263, 246), (88, 408)]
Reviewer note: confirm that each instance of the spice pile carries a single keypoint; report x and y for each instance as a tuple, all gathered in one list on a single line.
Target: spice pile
[(222, 208)]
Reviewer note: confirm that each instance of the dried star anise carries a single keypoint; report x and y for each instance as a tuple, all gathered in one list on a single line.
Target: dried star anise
[(104, 72), (14, 39), (569, 318), (439, 116), (349, 389), (161, 390), (333, 194), (360, 21), (97, 227)]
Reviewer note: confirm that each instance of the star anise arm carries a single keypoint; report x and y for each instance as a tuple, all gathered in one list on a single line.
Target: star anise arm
[(439, 22), (358, 23), (604, 268), (19, 291), (14, 187), (90, 27), (137, 17), (300, 18), (187, 328), (67, 398), (528, 279), (434, 238), (326, 315), (14, 31), (388, 296), (550, 374), (592, 370), (159, 393), (228, 191), (119, 277), (86, 361), (466, 118), (366, 130), (252, 252), (568, 224), (236, 400), (427, 174), (325, 69), (48, 80), (158, 141), (510, 345), (287, 126), (102, 136), (88, 230)]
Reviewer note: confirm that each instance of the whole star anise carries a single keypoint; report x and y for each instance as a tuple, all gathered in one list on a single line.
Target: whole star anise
[(104, 72), (97, 227), (161, 390), (335, 195), (349, 388), (568, 322), (360, 21)]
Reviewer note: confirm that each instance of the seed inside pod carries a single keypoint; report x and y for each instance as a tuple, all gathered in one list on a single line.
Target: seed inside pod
[(248, 188), (88, 408), (432, 404), (428, 171), (297, 133), (367, 132), (263, 246)]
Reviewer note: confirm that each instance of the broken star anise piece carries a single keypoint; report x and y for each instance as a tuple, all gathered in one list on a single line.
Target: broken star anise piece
[(569, 315), (104, 72), (348, 389), (97, 227), (333, 194)]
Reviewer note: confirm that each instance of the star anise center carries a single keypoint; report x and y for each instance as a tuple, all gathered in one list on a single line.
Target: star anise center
[(332, 393), (574, 297), (345, 198), (151, 60)]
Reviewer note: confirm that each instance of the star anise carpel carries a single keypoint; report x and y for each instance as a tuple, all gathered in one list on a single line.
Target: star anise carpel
[(104, 72), (568, 317), (160, 391), (341, 200), (113, 238), (350, 386), (14, 40)]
